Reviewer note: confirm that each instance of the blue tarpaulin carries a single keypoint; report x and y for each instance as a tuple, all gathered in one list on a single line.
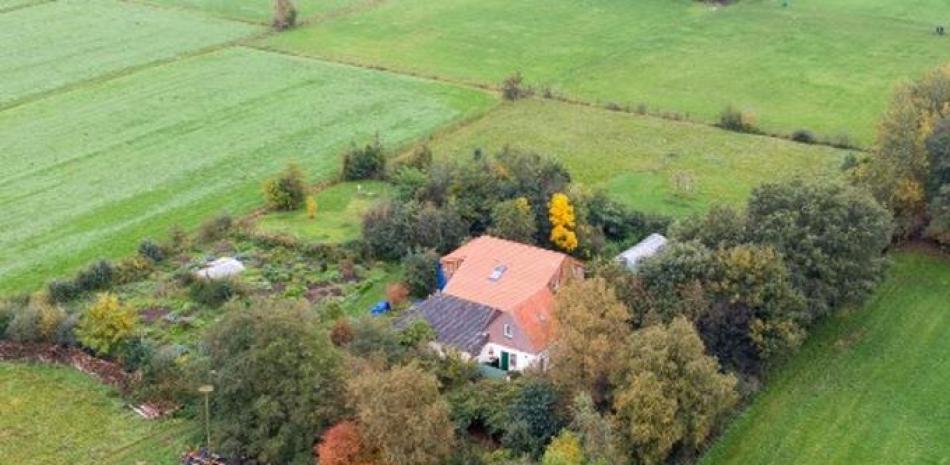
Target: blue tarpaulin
[(381, 307), (440, 280)]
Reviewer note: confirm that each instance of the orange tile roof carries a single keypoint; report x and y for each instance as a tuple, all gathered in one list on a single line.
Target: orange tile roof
[(522, 288)]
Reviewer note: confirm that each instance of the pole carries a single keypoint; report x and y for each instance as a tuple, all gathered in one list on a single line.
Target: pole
[(207, 390), (208, 421)]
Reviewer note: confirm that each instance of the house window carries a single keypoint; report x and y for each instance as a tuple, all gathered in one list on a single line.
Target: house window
[(513, 361), (508, 331)]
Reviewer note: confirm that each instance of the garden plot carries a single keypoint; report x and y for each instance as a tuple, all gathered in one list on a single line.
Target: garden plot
[(91, 172)]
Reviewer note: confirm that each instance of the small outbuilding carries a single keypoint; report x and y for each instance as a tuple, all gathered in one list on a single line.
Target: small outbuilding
[(652, 245), (224, 267)]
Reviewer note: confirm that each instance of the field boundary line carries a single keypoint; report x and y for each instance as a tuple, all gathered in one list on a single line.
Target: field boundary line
[(24, 6), (190, 10), (127, 71), (494, 89)]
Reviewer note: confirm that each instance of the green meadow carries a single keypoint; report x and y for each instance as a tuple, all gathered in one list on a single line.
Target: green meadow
[(95, 39), (128, 158), (339, 215), (649, 163), (825, 65), (868, 388), (54, 415), (258, 11)]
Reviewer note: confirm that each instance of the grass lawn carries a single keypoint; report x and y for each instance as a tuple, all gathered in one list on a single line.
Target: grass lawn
[(56, 44), (53, 415), (827, 65), (259, 11), (339, 217), (869, 387), (374, 289), (636, 158), (91, 172)]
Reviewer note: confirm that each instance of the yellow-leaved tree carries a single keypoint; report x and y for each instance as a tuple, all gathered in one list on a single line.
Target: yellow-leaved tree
[(563, 222), (311, 207)]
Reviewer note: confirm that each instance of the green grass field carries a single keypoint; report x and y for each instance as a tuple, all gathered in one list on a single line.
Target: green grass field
[(56, 44), (339, 216), (868, 388), (637, 159), (827, 65), (128, 158), (259, 11), (54, 415)]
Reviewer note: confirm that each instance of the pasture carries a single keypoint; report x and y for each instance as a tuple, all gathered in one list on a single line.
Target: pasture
[(825, 65), (257, 11), (130, 157), (54, 415), (867, 388), (649, 163), (60, 44)]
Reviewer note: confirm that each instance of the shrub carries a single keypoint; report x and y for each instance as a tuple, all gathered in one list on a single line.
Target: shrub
[(387, 229), (342, 332), (735, 120), (285, 15), (565, 449), (342, 445), (804, 136), (62, 291), (216, 228), (421, 272), (97, 276), (132, 269), (134, 353), (106, 324), (165, 377), (36, 322), (368, 162), (213, 292), (397, 294), (285, 191), (418, 332), (8, 311), (152, 251), (513, 88), (421, 158)]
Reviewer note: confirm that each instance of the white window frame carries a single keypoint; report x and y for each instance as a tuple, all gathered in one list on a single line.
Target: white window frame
[(508, 331)]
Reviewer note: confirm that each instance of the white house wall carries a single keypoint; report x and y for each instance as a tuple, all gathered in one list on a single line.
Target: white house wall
[(524, 360)]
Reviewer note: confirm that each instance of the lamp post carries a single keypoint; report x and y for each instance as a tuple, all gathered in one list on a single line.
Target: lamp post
[(207, 389)]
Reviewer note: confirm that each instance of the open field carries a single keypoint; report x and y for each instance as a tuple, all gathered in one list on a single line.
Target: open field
[(54, 415), (56, 44), (869, 387), (822, 65), (636, 158), (339, 216), (130, 157), (258, 11)]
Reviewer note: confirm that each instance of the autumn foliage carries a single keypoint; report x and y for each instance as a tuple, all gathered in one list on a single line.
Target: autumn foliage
[(342, 445), (563, 221)]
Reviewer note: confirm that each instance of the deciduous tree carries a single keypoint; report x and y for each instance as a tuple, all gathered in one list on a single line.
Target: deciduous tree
[(563, 222), (402, 416), (278, 381), (592, 328), (514, 220), (672, 393)]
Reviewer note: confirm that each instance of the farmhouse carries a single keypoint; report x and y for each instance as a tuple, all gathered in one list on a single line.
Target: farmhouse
[(497, 304), (646, 248)]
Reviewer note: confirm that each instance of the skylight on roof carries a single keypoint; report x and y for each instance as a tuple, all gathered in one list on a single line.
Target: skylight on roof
[(497, 272)]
